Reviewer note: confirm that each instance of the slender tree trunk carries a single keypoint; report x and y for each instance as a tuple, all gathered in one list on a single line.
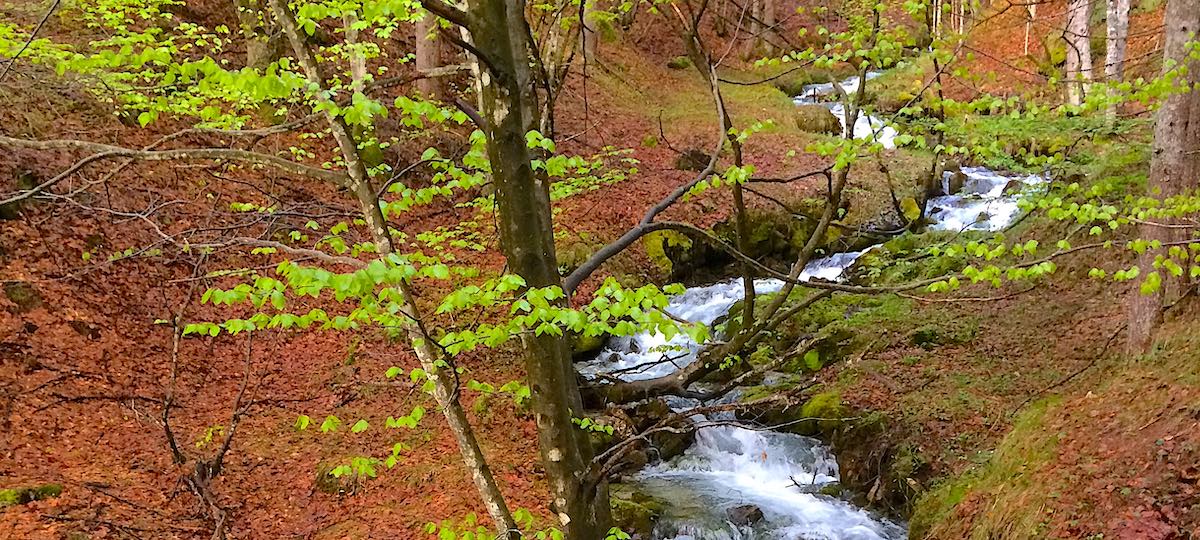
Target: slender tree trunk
[(1029, 25), (429, 57), (1116, 42), (510, 111), (445, 384), (1079, 50), (1174, 165), (358, 59)]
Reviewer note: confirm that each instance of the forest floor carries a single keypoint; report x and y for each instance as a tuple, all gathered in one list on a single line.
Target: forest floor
[(1105, 444)]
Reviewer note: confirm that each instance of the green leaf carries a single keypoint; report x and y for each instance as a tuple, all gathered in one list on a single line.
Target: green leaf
[(359, 426)]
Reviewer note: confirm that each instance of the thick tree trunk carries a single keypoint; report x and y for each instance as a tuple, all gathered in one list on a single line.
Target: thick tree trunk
[(510, 111), (587, 31), (429, 57), (1116, 43), (445, 384), (252, 22), (1174, 166), (1079, 50), (768, 23)]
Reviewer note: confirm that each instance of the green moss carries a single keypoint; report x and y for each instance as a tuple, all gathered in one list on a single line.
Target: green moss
[(1006, 480), (25, 495), (657, 244), (823, 413)]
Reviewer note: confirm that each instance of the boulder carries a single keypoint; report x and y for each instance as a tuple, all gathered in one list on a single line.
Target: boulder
[(817, 119), (747, 514), (1013, 186)]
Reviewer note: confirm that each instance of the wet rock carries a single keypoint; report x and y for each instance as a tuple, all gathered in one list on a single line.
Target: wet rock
[(832, 489), (584, 346), (955, 182), (633, 511), (666, 444), (692, 160), (744, 515), (817, 119), (1013, 186), (23, 295)]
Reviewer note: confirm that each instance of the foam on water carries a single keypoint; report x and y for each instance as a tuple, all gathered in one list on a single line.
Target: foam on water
[(982, 205)]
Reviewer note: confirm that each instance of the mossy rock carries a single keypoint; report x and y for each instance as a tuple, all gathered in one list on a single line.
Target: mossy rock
[(23, 295), (823, 413), (583, 345), (633, 511), (679, 62), (817, 119), (25, 495)]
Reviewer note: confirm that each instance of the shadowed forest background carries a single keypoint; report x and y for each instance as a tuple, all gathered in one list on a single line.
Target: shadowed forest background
[(658, 269)]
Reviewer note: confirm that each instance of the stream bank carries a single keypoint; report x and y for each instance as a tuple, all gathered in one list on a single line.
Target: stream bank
[(746, 478)]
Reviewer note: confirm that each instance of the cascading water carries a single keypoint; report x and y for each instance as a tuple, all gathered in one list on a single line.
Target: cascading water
[(865, 126), (986, 202), (733, 464)]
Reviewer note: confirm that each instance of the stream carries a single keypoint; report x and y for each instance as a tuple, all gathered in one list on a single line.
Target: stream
[(734, 466)]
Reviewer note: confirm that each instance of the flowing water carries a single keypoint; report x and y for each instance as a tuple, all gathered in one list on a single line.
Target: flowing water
[(733, 464), (865, 127)]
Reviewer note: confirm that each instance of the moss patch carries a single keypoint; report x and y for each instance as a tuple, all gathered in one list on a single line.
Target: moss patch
[(25, 495)]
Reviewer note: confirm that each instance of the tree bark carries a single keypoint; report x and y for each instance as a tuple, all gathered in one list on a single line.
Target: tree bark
[(1174, 165), (1079, 50), (445, 383), (252, 22), (587, 31), (510, 111), (429, 57), (1116, 43)]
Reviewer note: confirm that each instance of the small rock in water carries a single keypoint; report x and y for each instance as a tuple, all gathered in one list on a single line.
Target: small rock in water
[(956, 182), (1013, 186), (745, 515)]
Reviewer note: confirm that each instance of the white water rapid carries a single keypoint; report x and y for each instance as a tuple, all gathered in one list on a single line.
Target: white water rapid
[(734, 464)]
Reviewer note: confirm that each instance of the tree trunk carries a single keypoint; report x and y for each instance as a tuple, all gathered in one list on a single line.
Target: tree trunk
[(445, 383), (251, 21), (510, 111), (429, 58), (1116, 42), (768, 21), (587, 31), (1174, 165), (1079, 50)]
